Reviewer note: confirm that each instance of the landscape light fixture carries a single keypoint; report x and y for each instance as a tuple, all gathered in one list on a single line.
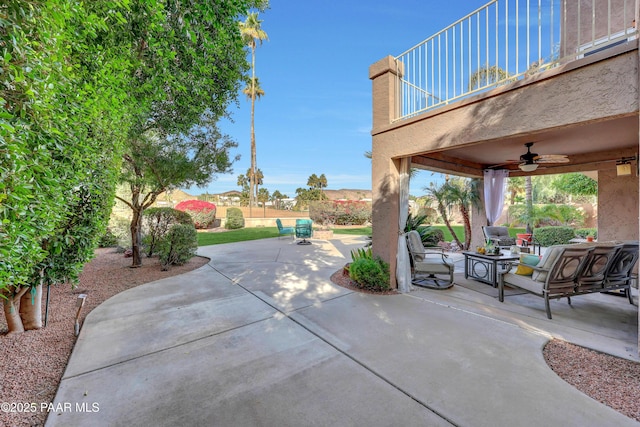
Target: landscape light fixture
[(623, 166)]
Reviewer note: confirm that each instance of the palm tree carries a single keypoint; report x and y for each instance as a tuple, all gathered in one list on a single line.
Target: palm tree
[(439, 194), (463, 193), (253, 86), (251, 34), (529, 198), (488, 75)]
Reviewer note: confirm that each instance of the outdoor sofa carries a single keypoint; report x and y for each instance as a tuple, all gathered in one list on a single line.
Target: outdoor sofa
[(570, 270)]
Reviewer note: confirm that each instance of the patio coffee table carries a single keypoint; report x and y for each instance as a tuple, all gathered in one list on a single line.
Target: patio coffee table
[(484, 268)]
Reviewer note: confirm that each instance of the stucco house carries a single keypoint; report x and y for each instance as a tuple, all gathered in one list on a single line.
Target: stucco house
[(562, 74)]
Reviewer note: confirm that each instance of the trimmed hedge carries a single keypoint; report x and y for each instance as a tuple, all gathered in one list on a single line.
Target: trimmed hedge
[(584, 232), (548, 236), (235, 219)]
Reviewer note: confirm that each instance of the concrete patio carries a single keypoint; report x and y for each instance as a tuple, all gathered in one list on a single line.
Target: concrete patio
[(261, 336)]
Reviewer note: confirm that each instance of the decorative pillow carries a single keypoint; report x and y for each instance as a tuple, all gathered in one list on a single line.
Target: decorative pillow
[(527, 259)]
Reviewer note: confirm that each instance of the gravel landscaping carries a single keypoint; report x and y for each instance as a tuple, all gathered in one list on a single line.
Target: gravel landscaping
[(32, 363)]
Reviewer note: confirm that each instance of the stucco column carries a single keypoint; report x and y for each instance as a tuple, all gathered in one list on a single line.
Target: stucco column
[(384, 170)]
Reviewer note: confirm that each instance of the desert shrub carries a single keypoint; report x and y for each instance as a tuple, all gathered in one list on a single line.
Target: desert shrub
[(340, 212), (584, 232), (156, 223), (178, 246), (108, 239), (235, 219), (547, 236), (202, 213), (431, 236), (362, 253), (372, 274)]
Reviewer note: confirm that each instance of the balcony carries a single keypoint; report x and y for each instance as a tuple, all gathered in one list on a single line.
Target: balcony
[(505, 41)]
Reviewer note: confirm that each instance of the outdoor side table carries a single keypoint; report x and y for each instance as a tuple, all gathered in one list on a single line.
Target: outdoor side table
[(484, 268)]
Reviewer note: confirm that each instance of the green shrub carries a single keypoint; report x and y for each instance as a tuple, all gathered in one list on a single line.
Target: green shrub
[(178, 246), (108, 239), (372, 274), (584, 232), (156, 223), (431, 236), (235, 219), (547, 236), (340, 212), (362, 253)]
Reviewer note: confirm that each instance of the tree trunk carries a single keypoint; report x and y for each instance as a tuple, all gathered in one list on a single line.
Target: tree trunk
[(11, 304), (529, 200), (31, 308), (445, 218), (136, 233), (252, 178), (467, 227)]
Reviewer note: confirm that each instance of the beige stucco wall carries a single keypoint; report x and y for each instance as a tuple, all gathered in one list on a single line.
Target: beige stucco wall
[(581, 92), (560, 98), (617, 206)]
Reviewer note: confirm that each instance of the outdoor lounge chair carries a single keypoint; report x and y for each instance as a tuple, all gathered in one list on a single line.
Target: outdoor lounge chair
[(284, 231), (304, 230), (431, 268), (498, 235), (553, 277), (620, 271)]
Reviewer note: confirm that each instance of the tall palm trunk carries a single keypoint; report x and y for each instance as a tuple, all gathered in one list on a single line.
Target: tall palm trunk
[(252, 177), (467, 227)]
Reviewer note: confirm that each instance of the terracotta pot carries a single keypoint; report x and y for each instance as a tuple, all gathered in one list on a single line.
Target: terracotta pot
[(523, 237), (589, 238)]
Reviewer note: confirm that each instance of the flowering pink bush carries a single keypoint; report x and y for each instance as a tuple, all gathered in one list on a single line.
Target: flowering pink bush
[(203, 213)]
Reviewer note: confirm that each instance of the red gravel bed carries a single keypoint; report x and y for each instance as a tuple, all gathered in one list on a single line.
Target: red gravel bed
[(32, 363)]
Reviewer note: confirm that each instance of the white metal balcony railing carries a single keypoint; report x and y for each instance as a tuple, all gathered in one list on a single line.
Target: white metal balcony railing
[(506, 40)]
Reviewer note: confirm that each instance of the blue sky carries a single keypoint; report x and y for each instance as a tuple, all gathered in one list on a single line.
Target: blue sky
[(315, 116)]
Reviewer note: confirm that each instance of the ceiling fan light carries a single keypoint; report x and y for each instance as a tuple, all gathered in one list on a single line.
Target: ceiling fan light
[(528, 167)]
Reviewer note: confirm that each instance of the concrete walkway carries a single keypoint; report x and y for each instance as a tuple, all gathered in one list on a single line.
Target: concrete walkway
[(261, 337)]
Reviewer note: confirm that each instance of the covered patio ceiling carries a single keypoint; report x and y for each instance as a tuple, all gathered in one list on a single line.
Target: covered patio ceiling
[(589, 147)]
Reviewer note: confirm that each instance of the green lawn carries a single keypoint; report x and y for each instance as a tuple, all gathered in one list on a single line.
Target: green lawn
[(243, 234), (240, 235)]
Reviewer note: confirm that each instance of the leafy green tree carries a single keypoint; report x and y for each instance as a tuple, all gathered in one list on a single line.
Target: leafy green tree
[(187, 72), (252, 34), (154, 165), (61, 133), (576, 184)]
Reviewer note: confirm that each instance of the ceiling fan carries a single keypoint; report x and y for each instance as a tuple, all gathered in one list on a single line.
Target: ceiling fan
[(530, 161)]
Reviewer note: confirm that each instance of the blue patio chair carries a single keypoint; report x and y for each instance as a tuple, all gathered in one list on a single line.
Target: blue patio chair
[(304, 230), (284, 231)]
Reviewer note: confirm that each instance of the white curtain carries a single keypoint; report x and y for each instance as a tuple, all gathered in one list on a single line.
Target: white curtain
[(403, 267), (494, 186)]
